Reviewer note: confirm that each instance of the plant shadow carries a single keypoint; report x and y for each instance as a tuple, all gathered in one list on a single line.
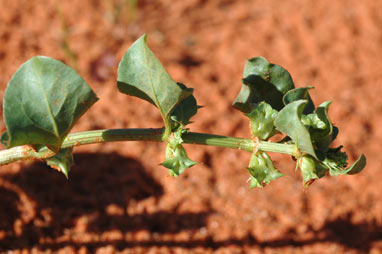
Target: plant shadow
[(38, 203)]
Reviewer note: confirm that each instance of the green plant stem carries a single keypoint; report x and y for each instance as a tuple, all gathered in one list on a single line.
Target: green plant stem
[(278, 148), (113, 135)]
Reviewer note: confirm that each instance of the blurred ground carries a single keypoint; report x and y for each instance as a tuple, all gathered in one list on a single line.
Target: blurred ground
[(119, 200)]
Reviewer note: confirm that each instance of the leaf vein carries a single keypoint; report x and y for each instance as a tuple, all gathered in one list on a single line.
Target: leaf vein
[(55, 129)]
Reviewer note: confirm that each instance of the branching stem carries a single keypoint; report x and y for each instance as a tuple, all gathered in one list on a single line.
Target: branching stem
[(113, 135)]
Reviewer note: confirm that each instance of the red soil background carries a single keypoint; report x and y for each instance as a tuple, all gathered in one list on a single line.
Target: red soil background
[(119, 200)]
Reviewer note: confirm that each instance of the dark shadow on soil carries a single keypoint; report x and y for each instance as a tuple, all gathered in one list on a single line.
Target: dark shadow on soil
[(9, 211), (100, 188), (358, 237), (38, 203)]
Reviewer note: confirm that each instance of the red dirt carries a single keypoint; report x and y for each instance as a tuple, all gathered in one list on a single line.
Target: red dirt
[(118, 200)]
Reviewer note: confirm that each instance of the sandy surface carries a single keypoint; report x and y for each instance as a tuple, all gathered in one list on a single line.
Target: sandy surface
[(119, 200)]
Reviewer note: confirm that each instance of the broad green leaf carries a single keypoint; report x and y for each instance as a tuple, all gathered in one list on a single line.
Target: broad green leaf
[(62, 161), (288, 121), (261, 120), (184, 110), (263, 81), (141, 74), (43, 101), (262, 170), (301, 93)]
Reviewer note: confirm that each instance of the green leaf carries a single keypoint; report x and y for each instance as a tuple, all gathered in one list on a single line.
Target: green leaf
[(262, 82), (288, 121), (334, 132), (336, 161), (140, 74), (42, 102), (312, 121), (62, 161), (186, 109), (322, 137), (314, 125), (301, 93), (357, 166), (261, 120), (262, 170)]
